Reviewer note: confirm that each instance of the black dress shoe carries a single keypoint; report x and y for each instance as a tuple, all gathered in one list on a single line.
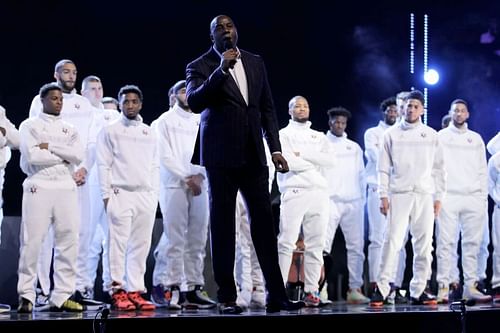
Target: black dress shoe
[(230, 308), (284, 305)]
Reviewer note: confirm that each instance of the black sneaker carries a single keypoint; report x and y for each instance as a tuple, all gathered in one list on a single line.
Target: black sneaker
[(455, 293), (25, 306), (88, 303), (399, 298), (377, 300), (425, 299), (198, 298), (285, 305)]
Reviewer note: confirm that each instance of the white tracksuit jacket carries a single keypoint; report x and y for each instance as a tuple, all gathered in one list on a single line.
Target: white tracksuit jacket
[(304, 198), (411, 174)]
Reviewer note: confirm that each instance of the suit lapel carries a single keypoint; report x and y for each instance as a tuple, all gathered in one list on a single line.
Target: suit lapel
[(249, 74), (231, 87)]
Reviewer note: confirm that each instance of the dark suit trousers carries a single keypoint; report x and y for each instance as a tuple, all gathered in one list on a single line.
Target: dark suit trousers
[(252, 181)]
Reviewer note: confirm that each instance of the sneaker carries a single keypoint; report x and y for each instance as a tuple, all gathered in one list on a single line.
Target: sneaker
[(473, 293), (158, 296), (455, 293), (400, 296), (496, 294), (42, 301), (4, 308), (377, 299), (258, 300), (483, 286), (198, 298), (355, 296), (85, 299), (311, 299), (174, 298), (426, 298), (244, 298), (323, 295), (140, 303), (88, 293), (25, 306), (69, 305), (443, 294), (41, 298), (391, 298), (121, 302)]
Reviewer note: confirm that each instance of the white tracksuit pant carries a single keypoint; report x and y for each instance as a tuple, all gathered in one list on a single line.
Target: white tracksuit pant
[(131, 217), (465, 214), (417, 211), (185, 225), (247, 269), (307, 208), (42, 208), (160, 268), (350, 217), (495, 237), (99, 242), (377, 224)]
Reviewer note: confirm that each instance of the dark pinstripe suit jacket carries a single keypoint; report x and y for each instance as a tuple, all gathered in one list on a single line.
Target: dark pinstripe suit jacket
[(227, 123)]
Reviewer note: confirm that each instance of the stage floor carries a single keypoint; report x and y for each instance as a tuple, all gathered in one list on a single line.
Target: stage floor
[(396, 318)]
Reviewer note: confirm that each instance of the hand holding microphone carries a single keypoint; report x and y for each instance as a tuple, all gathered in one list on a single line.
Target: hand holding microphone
[(229, 56)]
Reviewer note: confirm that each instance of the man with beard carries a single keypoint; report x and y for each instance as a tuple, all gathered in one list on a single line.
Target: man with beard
[(184, 206), (78, 111), (304, 196), (464, 210), (376, 221)]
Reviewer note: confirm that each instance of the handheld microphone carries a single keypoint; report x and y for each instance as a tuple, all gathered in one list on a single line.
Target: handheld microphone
[(228, 44)]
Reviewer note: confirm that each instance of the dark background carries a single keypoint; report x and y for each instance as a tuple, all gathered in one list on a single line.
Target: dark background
[(334, 53)]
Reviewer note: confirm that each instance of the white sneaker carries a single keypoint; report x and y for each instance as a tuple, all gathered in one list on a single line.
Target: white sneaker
[(472, 293), (323, 295), (443, 292), (258, 300), (355, 296), (244, 298)]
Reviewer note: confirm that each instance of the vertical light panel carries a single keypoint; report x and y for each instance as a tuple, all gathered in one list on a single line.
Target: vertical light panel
[(412, 43), (426, 62)]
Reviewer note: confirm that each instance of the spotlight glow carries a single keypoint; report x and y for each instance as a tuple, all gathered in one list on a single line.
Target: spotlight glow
[(431, 76)]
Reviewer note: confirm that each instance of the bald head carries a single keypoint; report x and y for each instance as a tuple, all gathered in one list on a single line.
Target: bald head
[(298, 108), (223, 32)]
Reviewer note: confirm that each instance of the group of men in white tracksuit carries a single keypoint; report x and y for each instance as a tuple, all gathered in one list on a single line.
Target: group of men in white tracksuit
[(422, 175)]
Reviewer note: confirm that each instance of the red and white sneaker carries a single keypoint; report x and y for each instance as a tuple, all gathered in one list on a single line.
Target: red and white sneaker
[(139, 302), (121, 302)]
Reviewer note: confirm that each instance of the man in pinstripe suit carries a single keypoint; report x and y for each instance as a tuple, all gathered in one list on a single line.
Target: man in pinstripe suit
[(229, 87)]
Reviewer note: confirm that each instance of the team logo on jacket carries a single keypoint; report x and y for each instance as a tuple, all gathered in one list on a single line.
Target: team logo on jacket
[(106, 118), (348, 147), (116, 190), (77, 106), (469, 140), (423, 134), (65, 130), (145, 132), (33, 189)]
